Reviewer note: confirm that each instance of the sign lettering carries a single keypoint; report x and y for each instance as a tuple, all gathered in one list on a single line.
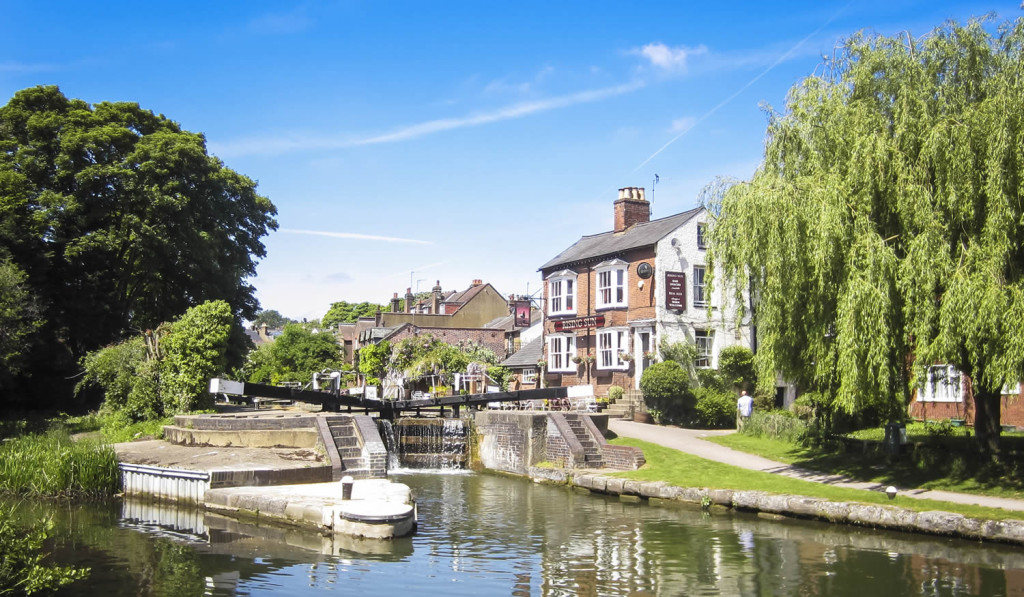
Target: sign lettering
[(594, 321), (675, 291)]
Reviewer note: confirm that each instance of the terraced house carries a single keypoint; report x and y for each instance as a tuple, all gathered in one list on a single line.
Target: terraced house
[(610, 298)]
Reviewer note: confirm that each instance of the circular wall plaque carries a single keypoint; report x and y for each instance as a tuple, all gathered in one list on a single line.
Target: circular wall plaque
[(644, 270)]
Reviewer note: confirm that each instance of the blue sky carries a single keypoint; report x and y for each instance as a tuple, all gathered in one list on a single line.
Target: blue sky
[(406, 142)]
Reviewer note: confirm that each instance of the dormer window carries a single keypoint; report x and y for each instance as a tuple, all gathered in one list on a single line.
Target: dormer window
[(562, 293), (611, 284)]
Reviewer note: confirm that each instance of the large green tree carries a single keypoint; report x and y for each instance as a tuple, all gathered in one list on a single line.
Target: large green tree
[(883, 233), (343, 312), (120, 220), (295, 355)]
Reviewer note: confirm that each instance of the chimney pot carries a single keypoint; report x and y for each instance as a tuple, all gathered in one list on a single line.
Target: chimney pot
[(631, 208)]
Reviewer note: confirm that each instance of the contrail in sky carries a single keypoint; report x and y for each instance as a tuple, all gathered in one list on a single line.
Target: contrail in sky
[(744, 88), (356, 236), (286, 144)]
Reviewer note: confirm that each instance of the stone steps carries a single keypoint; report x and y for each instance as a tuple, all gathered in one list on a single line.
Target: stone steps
[(347, 444)]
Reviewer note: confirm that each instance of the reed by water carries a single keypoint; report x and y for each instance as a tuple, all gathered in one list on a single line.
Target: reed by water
[(52, 464)]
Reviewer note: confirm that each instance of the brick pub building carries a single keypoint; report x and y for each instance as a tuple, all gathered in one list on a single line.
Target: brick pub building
[(611, 297)]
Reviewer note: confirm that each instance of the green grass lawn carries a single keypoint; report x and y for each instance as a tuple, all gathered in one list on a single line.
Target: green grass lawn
[(684, 470), (947, 465)]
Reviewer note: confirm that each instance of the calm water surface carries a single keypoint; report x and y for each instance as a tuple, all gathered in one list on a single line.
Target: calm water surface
[(489, 535)]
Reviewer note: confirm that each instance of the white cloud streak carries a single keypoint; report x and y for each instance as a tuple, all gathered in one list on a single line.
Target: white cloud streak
[(355, 236), (673, 60), (287, 144), (746, 86)]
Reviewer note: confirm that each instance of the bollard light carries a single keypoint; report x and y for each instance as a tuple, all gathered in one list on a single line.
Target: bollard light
[(346, 487), (890, 491)]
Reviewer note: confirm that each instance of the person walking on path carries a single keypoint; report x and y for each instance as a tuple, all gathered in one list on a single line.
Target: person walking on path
[(744, 408)]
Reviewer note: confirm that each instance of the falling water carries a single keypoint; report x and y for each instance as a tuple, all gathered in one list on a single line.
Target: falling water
[(387, 434), (425, 443)]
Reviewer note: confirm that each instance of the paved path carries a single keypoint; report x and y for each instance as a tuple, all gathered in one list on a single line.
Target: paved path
[(691, 442)]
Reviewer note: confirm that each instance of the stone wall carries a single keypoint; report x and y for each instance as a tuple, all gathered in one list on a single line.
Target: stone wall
[(864, 515), (562, 447), (512, 442), (509, 441), (375, 454)]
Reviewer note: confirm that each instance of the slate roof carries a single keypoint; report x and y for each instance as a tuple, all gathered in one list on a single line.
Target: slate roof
[(527, 356), (464, 296), (607, 244)]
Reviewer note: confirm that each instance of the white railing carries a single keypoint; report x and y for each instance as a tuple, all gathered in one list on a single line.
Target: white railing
[(169, 483)]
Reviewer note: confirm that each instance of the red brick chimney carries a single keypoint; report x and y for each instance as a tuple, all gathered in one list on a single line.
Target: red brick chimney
[(631, 208), (396, 304), (477, 282), (409, 299)]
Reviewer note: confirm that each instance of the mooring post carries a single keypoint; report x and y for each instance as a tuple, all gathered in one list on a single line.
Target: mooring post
[(455, 411)]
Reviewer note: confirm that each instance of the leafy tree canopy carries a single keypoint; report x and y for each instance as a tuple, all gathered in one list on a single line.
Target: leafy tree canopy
[(272, 319), (19, 319), (295, 355), (886, 223), (342, 312), (167, 370), (119, 220)]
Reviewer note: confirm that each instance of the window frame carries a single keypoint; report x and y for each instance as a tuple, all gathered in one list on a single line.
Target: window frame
[(705, 349), (529, 375), (700, 298), (619, 343), (939, 389), (565, 282), (565, 353), (702, 236), (617, 287)]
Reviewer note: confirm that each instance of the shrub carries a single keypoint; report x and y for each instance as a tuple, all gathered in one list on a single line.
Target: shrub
[(714, 408), (22, 569), (778, 424), (666, 388), (614, 393), (736, 364)]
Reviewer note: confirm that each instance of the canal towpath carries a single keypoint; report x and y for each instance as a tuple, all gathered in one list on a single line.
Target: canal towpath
[(692, 442)]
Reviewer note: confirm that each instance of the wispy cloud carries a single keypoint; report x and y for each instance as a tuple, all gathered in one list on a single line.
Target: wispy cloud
[(666, 59), (356, 236), (681, 125), (782, 58), (11, 66), (338, 278), (289, 143), (505, 84)]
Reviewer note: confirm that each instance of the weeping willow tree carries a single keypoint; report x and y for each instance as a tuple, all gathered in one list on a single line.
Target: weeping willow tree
[(883, 232)]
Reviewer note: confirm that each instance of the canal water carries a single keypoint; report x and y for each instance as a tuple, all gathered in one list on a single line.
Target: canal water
[(492, 535)]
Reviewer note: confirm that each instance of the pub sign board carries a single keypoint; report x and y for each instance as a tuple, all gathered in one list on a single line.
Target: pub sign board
[(675, 291), (595, 321)]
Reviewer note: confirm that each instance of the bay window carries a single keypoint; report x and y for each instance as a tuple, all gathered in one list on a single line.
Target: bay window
[(611, 344), (562, 293), (611, 284), (561, 350)]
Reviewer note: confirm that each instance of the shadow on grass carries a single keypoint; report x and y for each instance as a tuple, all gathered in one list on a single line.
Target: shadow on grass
[(948, 463)]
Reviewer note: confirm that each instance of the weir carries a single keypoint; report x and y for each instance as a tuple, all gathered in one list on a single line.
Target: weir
[(425, 443)]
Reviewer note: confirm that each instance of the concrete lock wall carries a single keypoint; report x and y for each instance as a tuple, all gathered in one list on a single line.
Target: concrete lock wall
[(509, 441)]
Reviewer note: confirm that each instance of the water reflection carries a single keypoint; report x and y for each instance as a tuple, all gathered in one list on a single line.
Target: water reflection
[(494, 535)]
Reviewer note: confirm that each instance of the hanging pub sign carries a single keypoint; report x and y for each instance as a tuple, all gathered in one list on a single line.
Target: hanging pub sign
[(594, 321), (675, 291), (522, 314)]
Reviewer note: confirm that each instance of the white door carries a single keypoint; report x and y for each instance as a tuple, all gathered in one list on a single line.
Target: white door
[(643, 343)]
